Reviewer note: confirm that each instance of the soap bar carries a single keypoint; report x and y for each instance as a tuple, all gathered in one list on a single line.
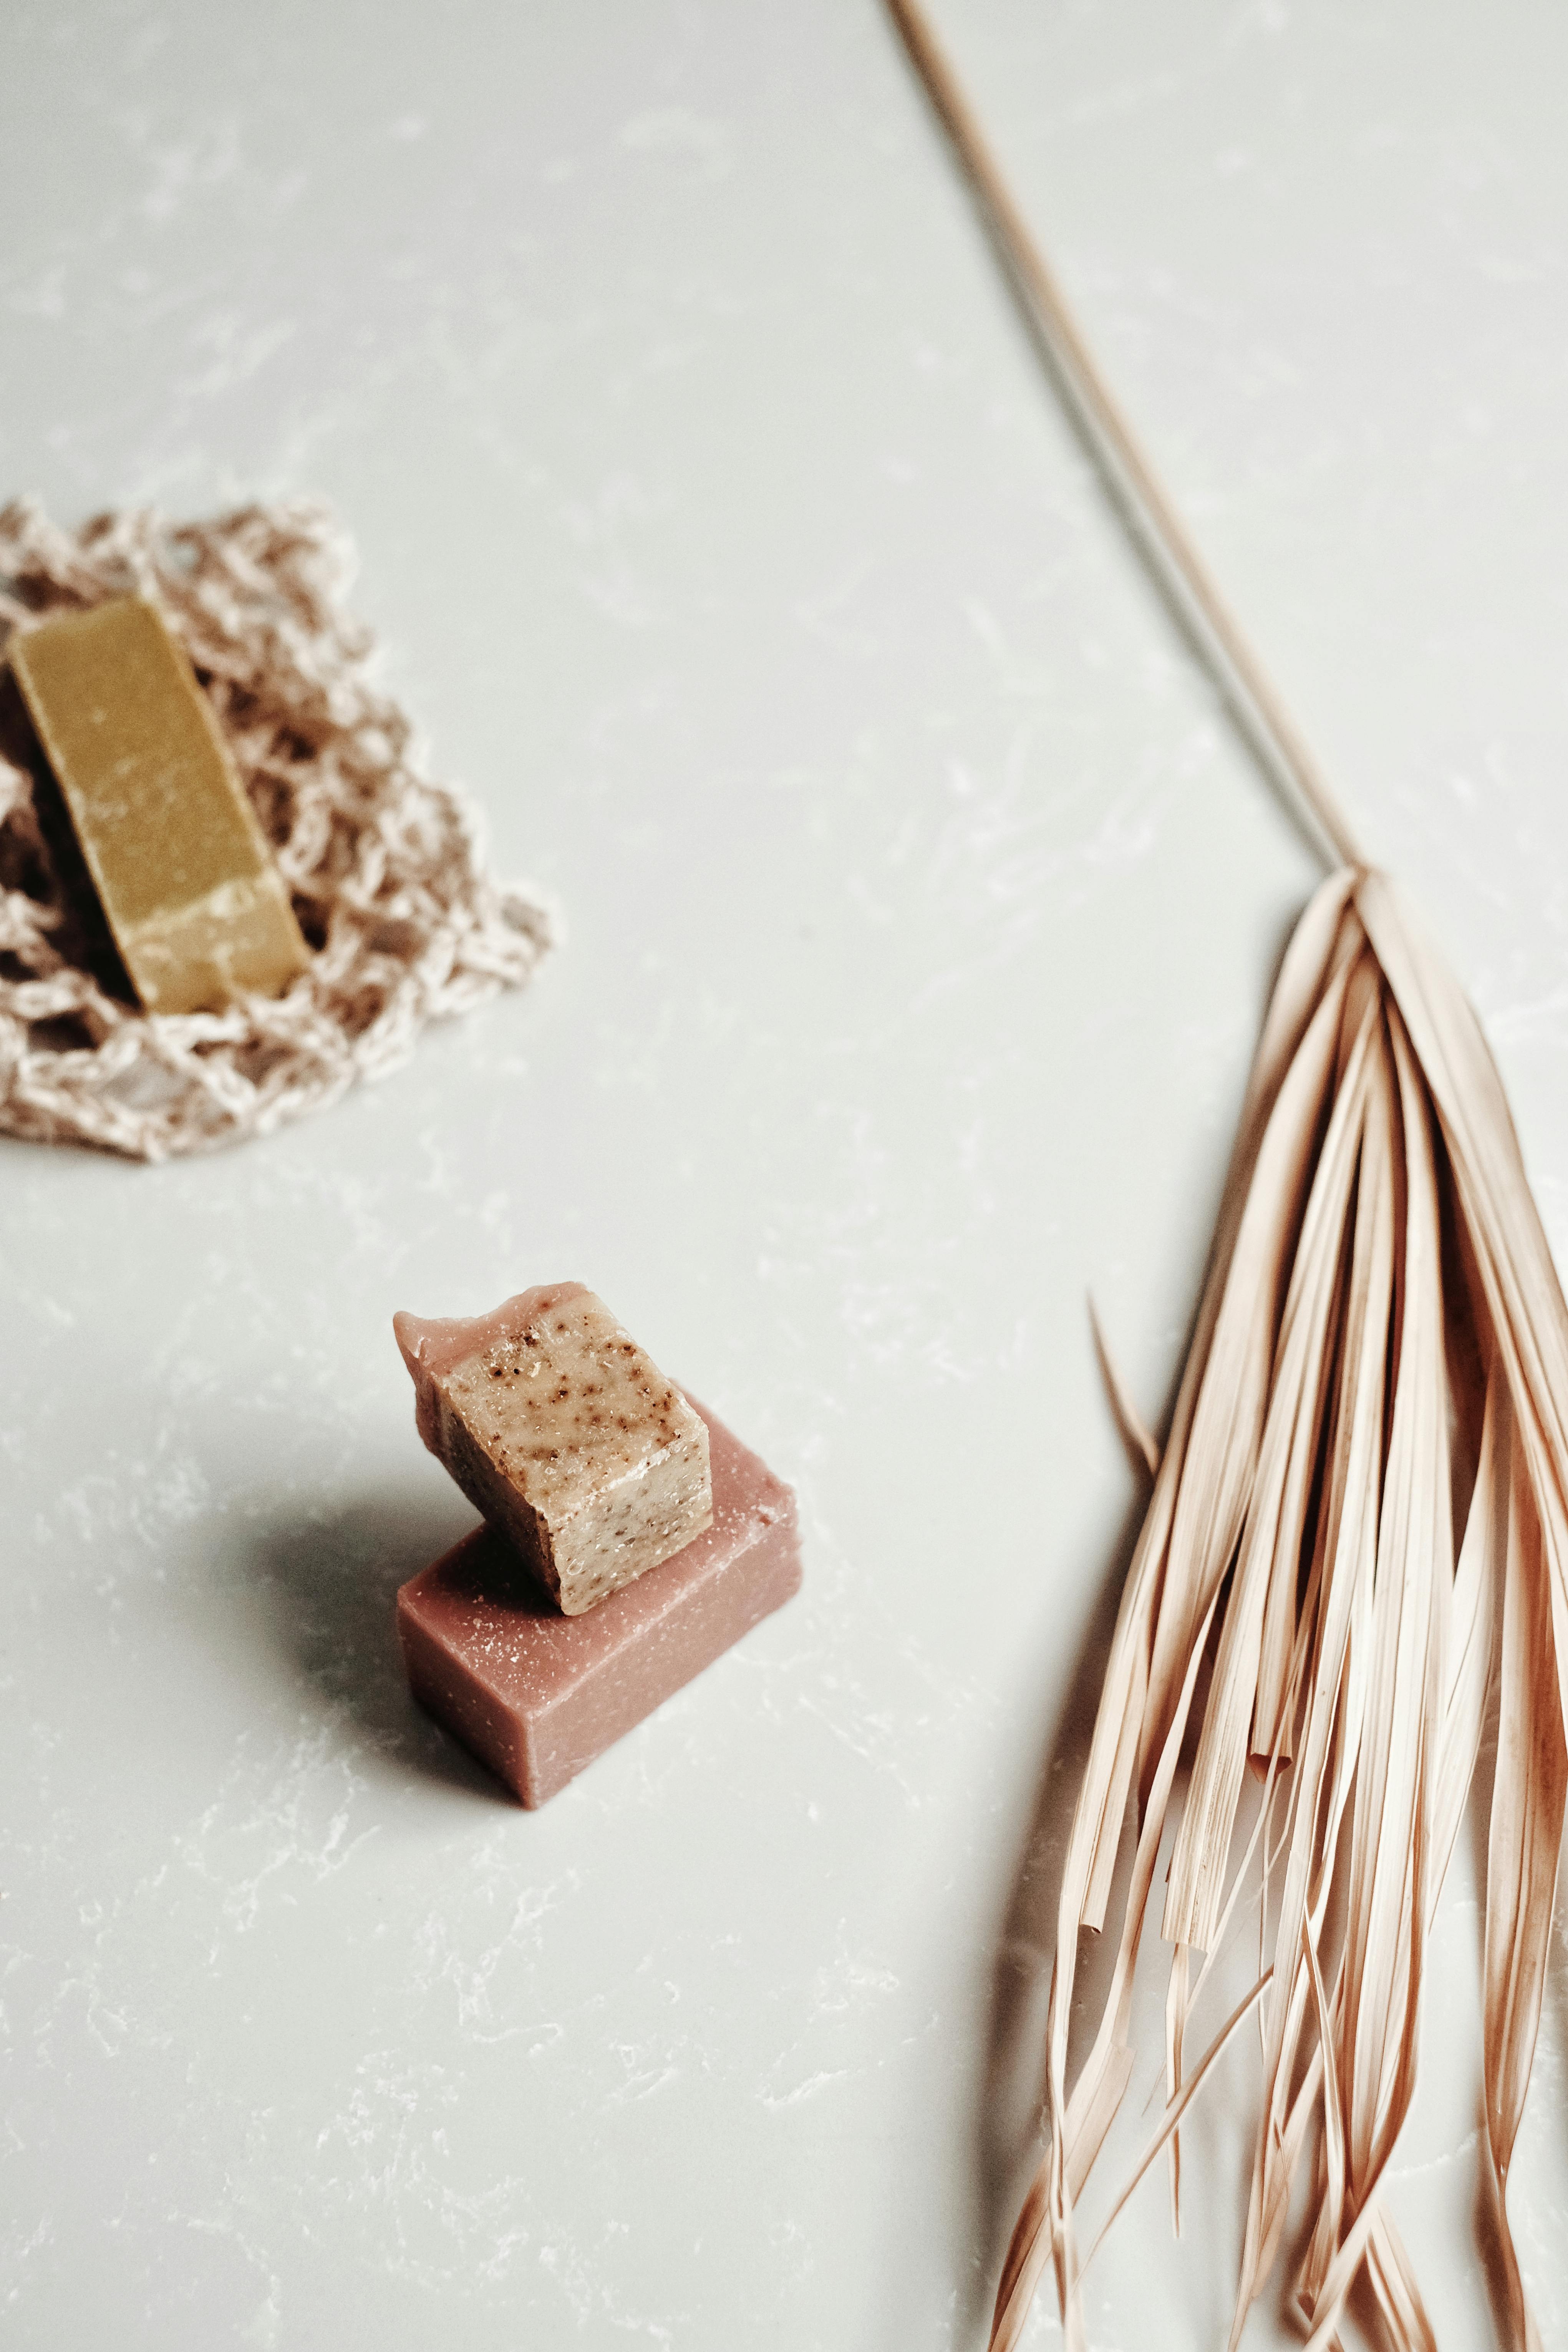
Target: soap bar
[(537, 1695), (197, 908), (567, 1437)]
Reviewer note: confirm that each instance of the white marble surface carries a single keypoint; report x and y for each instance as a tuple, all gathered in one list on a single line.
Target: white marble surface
[(731, 549)]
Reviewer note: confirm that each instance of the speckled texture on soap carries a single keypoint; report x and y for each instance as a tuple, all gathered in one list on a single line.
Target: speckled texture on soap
[(566, 1434)]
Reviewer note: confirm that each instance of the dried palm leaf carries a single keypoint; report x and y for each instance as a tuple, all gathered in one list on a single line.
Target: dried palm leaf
[(1381, 1346)]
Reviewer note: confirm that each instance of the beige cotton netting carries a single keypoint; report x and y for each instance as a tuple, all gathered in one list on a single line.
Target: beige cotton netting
[(384, 866)]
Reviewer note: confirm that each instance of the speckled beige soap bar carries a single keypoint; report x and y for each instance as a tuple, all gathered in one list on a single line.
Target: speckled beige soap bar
[(197, 908), (565, 1433)]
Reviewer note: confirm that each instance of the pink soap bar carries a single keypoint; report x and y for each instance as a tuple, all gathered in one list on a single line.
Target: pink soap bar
[(536, 1694)]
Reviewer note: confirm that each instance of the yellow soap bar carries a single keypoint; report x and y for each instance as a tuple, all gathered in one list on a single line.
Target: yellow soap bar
[(197, 908)]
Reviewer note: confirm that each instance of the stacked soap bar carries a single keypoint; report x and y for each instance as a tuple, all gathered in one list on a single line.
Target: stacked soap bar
[(630, 1538), (538, 1694), (567, 1437)]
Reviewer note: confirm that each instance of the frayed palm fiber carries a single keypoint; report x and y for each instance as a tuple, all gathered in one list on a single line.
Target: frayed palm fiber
[(1358, 1525), (1361, 1518), (382, 864)]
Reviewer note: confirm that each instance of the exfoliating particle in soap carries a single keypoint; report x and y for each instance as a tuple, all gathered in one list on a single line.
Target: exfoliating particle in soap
[(536, 1694), (197, 908), (566, 1434)]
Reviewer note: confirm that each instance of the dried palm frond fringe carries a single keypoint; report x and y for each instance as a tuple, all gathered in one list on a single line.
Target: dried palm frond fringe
[(1359, 1523), (1382, 1332)]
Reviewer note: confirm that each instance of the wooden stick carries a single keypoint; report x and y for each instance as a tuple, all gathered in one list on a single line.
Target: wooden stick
[(1167, 546)]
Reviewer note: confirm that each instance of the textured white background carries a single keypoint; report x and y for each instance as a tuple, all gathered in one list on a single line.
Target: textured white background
[(726, 541)]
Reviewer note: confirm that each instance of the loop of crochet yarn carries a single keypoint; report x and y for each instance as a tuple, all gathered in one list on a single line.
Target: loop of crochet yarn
[(384, 866)]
